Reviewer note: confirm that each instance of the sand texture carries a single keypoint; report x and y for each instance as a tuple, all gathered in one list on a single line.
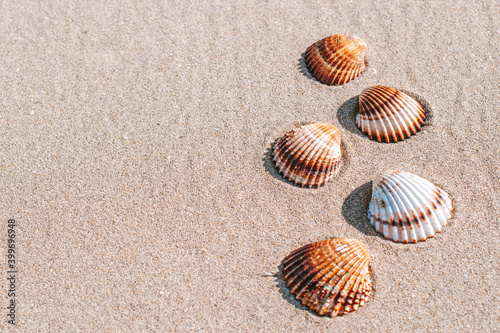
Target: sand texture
[(135, 142)]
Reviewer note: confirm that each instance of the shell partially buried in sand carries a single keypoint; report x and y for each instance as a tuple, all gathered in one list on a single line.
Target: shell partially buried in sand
[(337, 59), (309, 155), (407, 208), (387, 114), (330, 277)]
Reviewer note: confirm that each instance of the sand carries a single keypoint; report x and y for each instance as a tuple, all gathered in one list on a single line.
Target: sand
[(135, 143)]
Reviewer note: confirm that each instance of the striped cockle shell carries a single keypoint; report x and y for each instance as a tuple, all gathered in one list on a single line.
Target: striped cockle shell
[(407, 208), (309, 155), (387, 114), (337, 59), (330, 277)]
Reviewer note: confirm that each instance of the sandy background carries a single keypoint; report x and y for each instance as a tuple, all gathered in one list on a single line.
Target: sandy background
[(134, 149)]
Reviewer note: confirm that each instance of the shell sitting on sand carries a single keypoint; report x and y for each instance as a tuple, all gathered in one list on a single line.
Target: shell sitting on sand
[(407, 208), (330, 277), (309, 155), (387, 114), (337, 59)]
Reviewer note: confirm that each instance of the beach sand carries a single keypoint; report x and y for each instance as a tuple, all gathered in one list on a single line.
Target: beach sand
[(135, 143)]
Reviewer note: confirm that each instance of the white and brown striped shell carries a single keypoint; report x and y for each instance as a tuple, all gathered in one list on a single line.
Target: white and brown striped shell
[(309, 155), (337, 59), (330, 277), (387, 114), (407, 208)]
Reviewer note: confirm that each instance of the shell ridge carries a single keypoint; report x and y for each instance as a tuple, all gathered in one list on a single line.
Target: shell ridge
[(424, 187), (314, 52), (309, 59), (413, 111), (330, 56), (413, 205), (342, 296), (347, 72), (407, 202), (380, 101), (326, 305), (312, 153), (298, 145), (362, 289), (370, 129), (415, 108), (369, 104), (339, 280), (293, 264), (324, 60), (437, 218), (394, 125), (387, 118), (318, 169), (326, 252), (319, 147), (301, 277), (428, 190), (388, 198), (340, 70), (407, 117), (309, 281), (301, 165), (375, 212), (293, 156), (309, 251), (282, 146), (429, 225), (379, 130), (355, 73), (394, 208), (329, 76), (402, 128), (283, 142), (317, 71), (398, 116), (325, 283)]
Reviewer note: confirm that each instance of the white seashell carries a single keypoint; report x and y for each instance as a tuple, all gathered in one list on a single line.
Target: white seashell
[(407, 208)]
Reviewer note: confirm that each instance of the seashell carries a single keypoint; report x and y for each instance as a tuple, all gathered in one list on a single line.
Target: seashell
[(309, 155), (330, 277), (337, 59), (388, 114), (407, 208)]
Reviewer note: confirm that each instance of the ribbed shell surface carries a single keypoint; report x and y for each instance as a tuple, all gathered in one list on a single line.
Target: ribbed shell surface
[(337, 59), (407, 208), (309, 155), (330, 277), (388, 114)]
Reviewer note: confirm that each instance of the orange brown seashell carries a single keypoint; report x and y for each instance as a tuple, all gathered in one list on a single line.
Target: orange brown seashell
[(387, 114), (337, 59), (330, 277), (309, 155)]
